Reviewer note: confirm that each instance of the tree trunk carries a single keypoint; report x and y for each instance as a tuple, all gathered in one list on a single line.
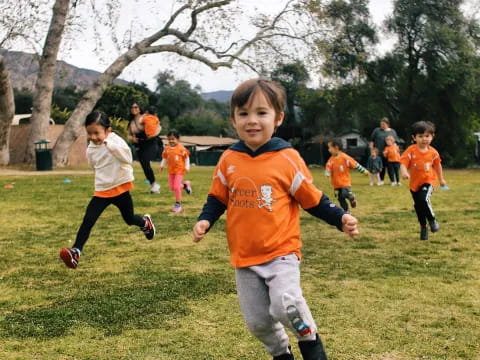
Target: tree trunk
[(42, 100), (7, 111), (75, 123)]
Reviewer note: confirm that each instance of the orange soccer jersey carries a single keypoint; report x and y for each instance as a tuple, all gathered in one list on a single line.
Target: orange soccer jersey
[(392, 153), (176, 157), (421, 165), (262, 194), (339, 167), (150, 123)]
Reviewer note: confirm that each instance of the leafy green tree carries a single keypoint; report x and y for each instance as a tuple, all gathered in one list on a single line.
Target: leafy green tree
[(23, 101), (117, 99), (67, 97), (439, 81), (354, 35), (175, 97), (293, 77), (202, 122)]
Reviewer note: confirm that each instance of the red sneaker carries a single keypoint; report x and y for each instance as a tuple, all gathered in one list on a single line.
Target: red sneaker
[(70, 257)]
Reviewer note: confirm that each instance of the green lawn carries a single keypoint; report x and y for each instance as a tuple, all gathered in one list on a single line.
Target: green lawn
[(385, 295)]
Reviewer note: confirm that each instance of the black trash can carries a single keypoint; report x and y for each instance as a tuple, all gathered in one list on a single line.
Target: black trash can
[(43, 155)]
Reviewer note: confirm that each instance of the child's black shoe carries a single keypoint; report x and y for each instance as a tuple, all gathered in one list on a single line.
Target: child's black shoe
[(423, 233), (434, 226)]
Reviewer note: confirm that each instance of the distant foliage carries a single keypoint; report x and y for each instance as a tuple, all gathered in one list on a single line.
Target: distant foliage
[(58, 115)]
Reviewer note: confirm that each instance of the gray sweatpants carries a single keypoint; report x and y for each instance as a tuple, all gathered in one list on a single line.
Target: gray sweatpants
[(267, 293)]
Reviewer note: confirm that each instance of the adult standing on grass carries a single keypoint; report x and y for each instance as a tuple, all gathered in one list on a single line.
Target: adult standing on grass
[(377, 140), (143, 131), (425, 166), (260, 181), (111, 159)]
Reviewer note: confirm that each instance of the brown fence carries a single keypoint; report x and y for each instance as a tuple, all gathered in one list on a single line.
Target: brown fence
[(19, 137)]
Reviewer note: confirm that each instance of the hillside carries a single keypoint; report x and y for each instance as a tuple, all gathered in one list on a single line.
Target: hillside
[(220, 96), (23, 68)]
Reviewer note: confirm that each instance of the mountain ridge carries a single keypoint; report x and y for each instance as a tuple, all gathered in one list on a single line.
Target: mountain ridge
[(23, 69)]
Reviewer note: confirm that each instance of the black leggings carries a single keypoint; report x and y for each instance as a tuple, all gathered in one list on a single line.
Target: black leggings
[(422, 204), (95, 208), (146, 152), (394, 171), (342, 194)]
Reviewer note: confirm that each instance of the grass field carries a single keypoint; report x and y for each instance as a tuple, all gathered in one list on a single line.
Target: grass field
[(384, 295)]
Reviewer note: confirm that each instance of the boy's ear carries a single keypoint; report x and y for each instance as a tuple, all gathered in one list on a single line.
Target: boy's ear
[(279, 119)]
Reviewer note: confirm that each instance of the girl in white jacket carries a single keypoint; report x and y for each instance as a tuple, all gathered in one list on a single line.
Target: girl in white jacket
[(111, 159)]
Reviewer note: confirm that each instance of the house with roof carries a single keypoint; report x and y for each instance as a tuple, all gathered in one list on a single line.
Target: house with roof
[(204, 150)]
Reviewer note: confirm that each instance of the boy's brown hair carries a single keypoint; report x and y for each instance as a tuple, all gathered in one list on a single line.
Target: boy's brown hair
[(336, 143), (421, 127), (273, 91)]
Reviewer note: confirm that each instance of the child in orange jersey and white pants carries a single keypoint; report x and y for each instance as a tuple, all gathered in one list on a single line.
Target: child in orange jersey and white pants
[(261, 181), (425, 166), (338, 168), (176, 157), (392, 154)]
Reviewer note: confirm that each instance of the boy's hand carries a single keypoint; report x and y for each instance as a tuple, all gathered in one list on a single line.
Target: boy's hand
[(442, 182), (349, 225), (161, 168), (200, 229), (405, 175)]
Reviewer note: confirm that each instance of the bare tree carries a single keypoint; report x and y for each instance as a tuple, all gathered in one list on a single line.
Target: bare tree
[(189, 43), (42, 100), (7, 111)]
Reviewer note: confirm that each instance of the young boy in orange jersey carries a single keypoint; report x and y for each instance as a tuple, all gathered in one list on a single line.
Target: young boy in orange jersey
[(177, 159), (338, 168), (392, 154), (425, 167), (260, 181)]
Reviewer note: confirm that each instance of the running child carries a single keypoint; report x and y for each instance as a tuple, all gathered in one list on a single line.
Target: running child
[(425, 166), (374, 167), (110, 157), (338, 168), (176, 157), (392, 154), (261, 181)]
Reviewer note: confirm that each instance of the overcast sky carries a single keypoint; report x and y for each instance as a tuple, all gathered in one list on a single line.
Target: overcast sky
[(145, 68)]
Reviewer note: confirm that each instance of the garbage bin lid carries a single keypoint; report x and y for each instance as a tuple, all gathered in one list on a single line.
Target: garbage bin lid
[(42, 142)]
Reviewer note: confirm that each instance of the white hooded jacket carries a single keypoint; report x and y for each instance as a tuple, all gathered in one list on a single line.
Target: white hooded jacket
[(111, 162)]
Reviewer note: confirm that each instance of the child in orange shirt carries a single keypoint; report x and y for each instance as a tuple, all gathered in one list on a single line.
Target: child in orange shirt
[(260, 181), (338, 168), (392, 154), (425, 167), (176, 157)]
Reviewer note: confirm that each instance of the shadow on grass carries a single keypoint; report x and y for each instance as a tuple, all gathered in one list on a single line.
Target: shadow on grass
[(155, 298)]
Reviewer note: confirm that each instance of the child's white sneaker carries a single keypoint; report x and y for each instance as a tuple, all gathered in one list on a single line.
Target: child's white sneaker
[(155, 189)]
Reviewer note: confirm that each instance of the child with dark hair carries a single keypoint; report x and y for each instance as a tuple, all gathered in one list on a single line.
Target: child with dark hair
[(143, 130), (421, 163), (177, 160), (110, 157), (374, 167), (338, 169), (391, 152), (261, 181)]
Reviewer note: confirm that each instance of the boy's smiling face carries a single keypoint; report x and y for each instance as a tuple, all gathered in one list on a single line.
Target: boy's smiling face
[(256, 121)]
